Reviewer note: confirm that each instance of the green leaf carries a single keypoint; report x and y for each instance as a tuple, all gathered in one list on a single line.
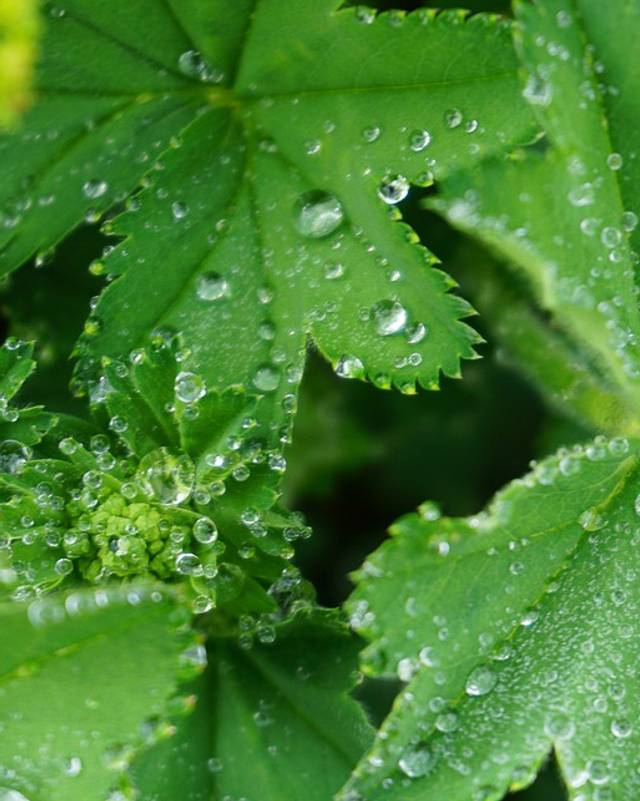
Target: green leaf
[(18, 33), (271, 721), (269, 110), (175, 483), (16, 365), (537, 347), (486, 618), (81, 674), (582, 266)]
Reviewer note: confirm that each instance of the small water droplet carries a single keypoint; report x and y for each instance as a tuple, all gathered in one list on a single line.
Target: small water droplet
[(453, 118), (318, 214), (419, 140), (95, 189)]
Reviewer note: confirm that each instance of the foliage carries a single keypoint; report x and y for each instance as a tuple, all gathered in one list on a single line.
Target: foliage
[(273, 179)]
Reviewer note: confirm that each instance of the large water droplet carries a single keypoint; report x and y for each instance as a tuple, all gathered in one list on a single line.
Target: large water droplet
[(349, 367), (266, 378), (212, 286), (188, 564), (13, 456), (393, 189), (416, 762), (480, 681), (205, 530), (189, 387), (168, 478), (318, 214), (390, 317)]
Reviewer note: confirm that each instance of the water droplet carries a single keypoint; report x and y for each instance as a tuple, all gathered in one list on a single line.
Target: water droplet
[(629, 221), (318, 214), (179, 210), (610, 236), (417, 762), (312, 146), (390, 317), (188, 564), (591, 520), (621, 728), (201, 604), (95, 189), (453, 118), (480, 681), (416, 333), (266, 378), (614, 161), (419, 140), (393, 189), (538, 91), (205, 530), (73, 766), (212, 286), (558, 726), (189, 387), (13, 456), (166, 477), (63, 566), (349, 367), (447, 721), (7, 794), (192, 64), (371, 134)]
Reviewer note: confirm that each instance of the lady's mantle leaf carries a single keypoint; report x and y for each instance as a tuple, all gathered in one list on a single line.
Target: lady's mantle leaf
[(79, 676), (517, 633), (569, 215), (271, 722), (295, 129)]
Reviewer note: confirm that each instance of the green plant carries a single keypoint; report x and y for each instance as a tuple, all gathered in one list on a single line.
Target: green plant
[(247, 163)]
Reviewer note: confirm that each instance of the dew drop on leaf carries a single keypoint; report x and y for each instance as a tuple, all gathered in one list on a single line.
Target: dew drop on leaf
[(212, 286), (189, 387), (393, 189), (480, 681), (453, 118), (390, 317), (13, 456), (349, 367), (179, 210), (95, 189), (6, 794), (416, 762), (266, 378), (419, 140), (318, 214), (205, 530), (188, 564), (166, 477)]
